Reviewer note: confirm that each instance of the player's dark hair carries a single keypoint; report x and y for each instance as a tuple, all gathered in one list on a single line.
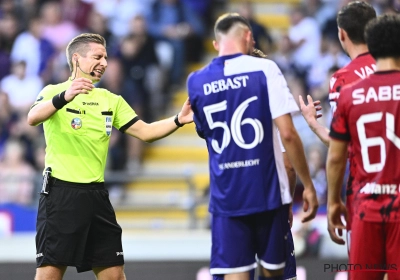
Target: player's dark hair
[(353, 18), (80, 45), (225, 22), (382, 36)]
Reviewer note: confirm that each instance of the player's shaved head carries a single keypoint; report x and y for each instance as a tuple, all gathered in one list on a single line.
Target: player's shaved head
[(230, 24)]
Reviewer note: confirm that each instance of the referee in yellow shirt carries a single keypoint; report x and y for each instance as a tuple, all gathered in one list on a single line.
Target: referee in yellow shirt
[(76, 224)]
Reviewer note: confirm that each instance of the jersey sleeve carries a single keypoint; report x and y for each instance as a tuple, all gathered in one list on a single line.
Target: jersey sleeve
[(125, 116), (45, 94), (280, 142), (336, 83), (280, 98), (192, 97), (339, 124)]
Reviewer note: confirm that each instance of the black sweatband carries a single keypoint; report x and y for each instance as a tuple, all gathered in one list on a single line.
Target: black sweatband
[(178, 124), (59, 100)]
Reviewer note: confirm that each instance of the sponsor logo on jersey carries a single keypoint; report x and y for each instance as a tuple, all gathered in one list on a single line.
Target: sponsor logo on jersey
[(39, 255), (120, 253), (91, 103), (373, 188), (76, 123)]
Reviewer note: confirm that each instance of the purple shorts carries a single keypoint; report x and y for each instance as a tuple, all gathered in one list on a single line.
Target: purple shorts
[(237, 242)]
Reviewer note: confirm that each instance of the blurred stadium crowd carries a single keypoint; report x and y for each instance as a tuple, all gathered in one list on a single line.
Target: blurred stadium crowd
[(150, 45)]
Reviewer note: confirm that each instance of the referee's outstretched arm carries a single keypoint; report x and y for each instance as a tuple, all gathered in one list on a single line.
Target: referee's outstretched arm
[(150, 132)]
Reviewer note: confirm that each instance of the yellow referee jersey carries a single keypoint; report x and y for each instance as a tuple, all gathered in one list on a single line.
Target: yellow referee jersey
[(78, 135)]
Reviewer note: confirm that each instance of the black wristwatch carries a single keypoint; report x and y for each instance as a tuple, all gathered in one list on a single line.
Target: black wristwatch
[(178, 124)]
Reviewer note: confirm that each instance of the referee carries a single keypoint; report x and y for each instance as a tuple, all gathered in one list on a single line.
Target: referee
[(76, 223)]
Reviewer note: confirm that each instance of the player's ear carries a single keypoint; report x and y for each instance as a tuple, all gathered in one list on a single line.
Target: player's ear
[(216, 45), (341, 34)]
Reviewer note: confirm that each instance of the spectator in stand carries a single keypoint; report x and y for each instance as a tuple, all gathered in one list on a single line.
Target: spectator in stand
[(11, 7), (305, 40), (138, 56), (97, 24), (148, 59), (56, 30), (7, 119), (174, 22), (30, 9), (331, 55), (203, 9), (21, 89), (261, 34), (41, 52), (321, 11), (16, 175), (8, 32), (135, 59), (77, 12), (119, 14), (282, 56)]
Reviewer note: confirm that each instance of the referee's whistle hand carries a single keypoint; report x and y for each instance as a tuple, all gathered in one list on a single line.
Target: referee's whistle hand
[(78, 86)]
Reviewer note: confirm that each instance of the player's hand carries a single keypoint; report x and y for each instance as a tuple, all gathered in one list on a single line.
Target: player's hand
[(78, 86), (335, 212), (310, 204), (310, 112), (186, 114)]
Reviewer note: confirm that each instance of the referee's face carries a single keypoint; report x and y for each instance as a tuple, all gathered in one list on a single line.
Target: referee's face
[(95, 62)]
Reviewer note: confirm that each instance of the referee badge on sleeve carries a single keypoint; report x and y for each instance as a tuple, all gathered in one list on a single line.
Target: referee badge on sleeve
[(108, 121), (108, 125)]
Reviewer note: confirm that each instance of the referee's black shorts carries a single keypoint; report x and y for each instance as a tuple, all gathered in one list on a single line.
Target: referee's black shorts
[(76, 226)]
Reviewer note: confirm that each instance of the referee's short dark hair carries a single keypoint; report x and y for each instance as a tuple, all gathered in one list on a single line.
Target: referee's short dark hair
[(225, 22), (353, 18), (382, 36), (80, 43)]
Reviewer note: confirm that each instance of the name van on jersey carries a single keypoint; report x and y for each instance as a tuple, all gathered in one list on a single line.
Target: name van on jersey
[(225, 84)]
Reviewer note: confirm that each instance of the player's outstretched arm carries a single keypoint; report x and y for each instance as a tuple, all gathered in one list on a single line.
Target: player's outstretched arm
[(336, 165), (40, 112), (294, 149), (160, 129), (310, 114)]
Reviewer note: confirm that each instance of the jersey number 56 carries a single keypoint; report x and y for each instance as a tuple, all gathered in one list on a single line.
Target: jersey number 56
[(237, 122)]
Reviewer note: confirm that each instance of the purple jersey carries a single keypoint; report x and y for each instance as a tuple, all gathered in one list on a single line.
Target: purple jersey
[(235, 99)]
